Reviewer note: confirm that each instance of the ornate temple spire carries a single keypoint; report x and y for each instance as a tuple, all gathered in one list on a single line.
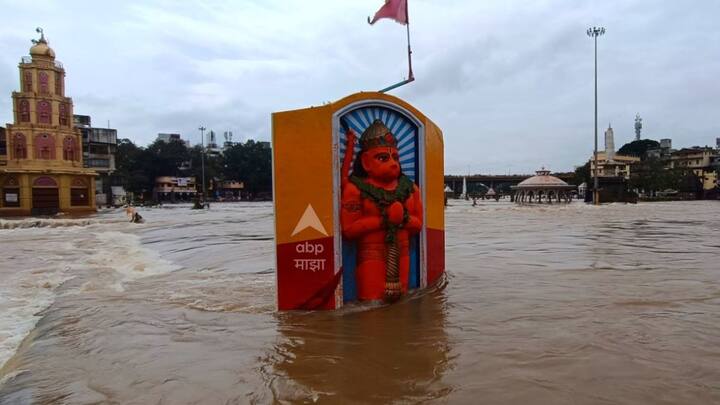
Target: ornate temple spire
[(42, 39)]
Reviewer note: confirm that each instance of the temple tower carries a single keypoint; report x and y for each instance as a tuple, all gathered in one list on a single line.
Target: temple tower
[(609, 143), (42, 172)]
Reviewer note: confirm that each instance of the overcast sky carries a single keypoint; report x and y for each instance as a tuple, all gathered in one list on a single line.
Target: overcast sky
[(509, 82)]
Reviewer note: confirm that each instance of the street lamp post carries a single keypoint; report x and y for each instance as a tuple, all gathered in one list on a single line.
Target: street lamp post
[(202, 158), (594, 33)]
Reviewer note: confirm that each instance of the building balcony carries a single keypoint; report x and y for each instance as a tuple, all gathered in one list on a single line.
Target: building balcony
[(95, 140), (96, 155), (165, 189), (99, 163)]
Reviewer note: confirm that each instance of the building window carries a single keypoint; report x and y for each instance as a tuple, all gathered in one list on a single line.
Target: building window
[(24, 111), (104, 163), (43, 79), (63, 115), (3, 145), (98, 149), (70, 149), (44, 112), (44, 147), (79, 192), (58, 84), (44, 181), (10, 197), (27, 81), (19, 147)]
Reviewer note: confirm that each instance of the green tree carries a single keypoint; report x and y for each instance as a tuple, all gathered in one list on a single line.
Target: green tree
[(214, 168), (138, 167), (582, 175), (650, 176), (167, 158), (250, 163), (689, 182), (130, 164), (638, 148)]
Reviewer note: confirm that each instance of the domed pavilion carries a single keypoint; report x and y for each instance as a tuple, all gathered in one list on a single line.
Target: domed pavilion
[(543, 188)]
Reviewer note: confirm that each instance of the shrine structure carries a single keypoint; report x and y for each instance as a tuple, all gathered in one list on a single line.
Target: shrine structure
[(359, 202), (543, 188), (42, 171)]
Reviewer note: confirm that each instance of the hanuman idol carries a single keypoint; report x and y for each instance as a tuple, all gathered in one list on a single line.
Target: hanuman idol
[(381, 209)]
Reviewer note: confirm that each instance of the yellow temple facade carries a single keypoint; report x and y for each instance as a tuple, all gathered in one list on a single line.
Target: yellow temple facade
[(42, 171)]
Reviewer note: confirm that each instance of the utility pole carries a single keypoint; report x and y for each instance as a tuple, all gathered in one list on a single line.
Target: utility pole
[(202, 158), (594, 33)]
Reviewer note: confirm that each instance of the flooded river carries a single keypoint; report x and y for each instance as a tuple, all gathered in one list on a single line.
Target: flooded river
[(617, 304)]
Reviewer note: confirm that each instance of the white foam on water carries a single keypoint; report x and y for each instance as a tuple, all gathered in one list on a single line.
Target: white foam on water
[(25, 223), (20, 314), (22, 296), (36, 260), (128, 258)]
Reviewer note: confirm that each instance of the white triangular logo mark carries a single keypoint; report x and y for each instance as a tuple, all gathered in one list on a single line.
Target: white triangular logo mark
[(309, 219)]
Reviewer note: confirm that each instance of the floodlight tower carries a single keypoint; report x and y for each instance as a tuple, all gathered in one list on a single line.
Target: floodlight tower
[(202, 158), (594, 33)]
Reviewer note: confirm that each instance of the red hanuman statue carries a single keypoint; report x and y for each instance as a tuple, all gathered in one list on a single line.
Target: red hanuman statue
[(381, 209)]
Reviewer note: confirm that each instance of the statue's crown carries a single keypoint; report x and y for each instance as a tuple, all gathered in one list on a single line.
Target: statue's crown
[(377, 134)]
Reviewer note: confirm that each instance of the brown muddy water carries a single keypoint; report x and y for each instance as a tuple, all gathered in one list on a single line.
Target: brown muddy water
[(617, 304)]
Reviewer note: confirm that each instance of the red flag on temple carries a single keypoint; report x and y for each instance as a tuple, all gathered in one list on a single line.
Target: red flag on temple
[(394, 9)]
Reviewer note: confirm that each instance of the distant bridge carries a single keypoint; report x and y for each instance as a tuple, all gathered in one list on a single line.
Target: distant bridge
[(479, 183)]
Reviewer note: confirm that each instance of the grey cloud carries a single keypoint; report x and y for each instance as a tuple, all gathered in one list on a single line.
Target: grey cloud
[(510, 82)]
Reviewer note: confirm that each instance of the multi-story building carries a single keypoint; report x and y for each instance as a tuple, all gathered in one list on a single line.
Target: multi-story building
[(166, 137), (661, 152), (99, 148), (700, 161), (211, 147), (230, 190), (3, 145), (42, 171), (172, 189), (619, 166)]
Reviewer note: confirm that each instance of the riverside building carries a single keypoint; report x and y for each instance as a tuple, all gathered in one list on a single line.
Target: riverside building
[(699, 160), (174, 189), (99, 147), (41, 172)]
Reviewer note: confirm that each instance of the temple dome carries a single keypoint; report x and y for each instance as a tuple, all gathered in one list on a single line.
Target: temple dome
[(41, 48), (541, 179)]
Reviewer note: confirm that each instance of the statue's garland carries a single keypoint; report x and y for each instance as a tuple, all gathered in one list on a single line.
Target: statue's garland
[(384, 198)]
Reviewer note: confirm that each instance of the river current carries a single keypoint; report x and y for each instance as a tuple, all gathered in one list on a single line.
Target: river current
[(575, 304)]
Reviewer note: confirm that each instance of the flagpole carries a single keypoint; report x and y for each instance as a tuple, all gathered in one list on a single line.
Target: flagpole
[(411, 76)]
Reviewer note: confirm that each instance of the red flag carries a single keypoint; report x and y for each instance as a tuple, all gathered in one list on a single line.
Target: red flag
[(395, 9)]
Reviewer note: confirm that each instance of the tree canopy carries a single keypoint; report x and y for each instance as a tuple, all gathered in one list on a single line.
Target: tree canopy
[(137, 167), (638, 148), (582, 174), (251, 163), (651, 175)]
